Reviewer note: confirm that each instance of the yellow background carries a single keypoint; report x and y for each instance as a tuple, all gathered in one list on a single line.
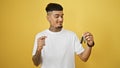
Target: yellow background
[(20, 20)]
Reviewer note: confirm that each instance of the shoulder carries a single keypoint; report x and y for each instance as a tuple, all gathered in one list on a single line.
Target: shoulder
[(42, 33), (69, 32)]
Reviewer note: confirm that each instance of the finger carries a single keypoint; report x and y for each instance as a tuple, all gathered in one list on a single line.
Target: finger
[(89, 38), (88, 34), (91, 43), (42, 37), (41, 40), (85, 34)]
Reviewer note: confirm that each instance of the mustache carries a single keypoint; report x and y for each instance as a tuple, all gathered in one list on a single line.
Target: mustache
[(59, 27)]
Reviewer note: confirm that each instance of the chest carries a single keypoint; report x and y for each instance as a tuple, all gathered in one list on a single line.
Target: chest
[(57, 46)]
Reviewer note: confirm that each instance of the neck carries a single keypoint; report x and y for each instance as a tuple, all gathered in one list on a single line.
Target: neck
[(55, 29)]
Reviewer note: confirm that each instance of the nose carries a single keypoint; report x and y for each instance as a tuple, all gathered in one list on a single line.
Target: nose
[(60, 19)]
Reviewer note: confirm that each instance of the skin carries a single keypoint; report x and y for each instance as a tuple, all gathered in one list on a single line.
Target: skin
[(55, 18)]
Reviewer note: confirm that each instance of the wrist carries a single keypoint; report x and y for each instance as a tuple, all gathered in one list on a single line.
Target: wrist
[(91, 45), (37, 53)]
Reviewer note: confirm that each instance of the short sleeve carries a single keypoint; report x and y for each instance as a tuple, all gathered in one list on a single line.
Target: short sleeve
[(35, 46), (35, 41), (78, 46)]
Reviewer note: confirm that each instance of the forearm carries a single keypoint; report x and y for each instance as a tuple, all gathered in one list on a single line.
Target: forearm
[(85, 55), (37, 58)]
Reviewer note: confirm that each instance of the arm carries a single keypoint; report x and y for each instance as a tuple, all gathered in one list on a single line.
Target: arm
[(85, 55), (90, 43), (37, 57)]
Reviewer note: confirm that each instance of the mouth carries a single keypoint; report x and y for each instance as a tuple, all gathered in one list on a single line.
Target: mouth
[(60, 26)]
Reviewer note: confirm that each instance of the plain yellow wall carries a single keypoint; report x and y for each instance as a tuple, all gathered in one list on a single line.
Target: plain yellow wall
[(20, 20)]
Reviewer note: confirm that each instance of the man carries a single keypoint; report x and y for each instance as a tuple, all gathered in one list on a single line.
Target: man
[(55, 47)]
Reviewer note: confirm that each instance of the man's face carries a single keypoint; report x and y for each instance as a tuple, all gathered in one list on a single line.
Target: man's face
[(56, 19)]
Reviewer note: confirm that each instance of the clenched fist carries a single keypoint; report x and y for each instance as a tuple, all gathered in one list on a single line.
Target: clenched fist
[(89, 39), (41, 43)]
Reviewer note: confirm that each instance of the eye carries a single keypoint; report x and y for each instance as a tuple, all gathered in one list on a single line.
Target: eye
[(56, 16), (62, 16)]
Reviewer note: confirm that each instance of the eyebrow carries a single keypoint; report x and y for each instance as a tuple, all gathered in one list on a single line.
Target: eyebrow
[(59, 14)]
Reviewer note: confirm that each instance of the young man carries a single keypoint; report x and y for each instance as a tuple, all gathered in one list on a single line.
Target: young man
[(55, 47)]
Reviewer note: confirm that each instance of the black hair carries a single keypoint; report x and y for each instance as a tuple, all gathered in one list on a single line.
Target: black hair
[(54, 7)]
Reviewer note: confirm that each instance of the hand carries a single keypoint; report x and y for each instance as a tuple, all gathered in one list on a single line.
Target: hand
[(41, 43), (89, 39)]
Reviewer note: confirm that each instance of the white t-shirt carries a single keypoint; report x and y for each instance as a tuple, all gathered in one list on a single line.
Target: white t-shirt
[(59, 50)]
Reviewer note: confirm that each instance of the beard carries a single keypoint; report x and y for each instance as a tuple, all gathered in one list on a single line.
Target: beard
[(59, 27), (55, 29)]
